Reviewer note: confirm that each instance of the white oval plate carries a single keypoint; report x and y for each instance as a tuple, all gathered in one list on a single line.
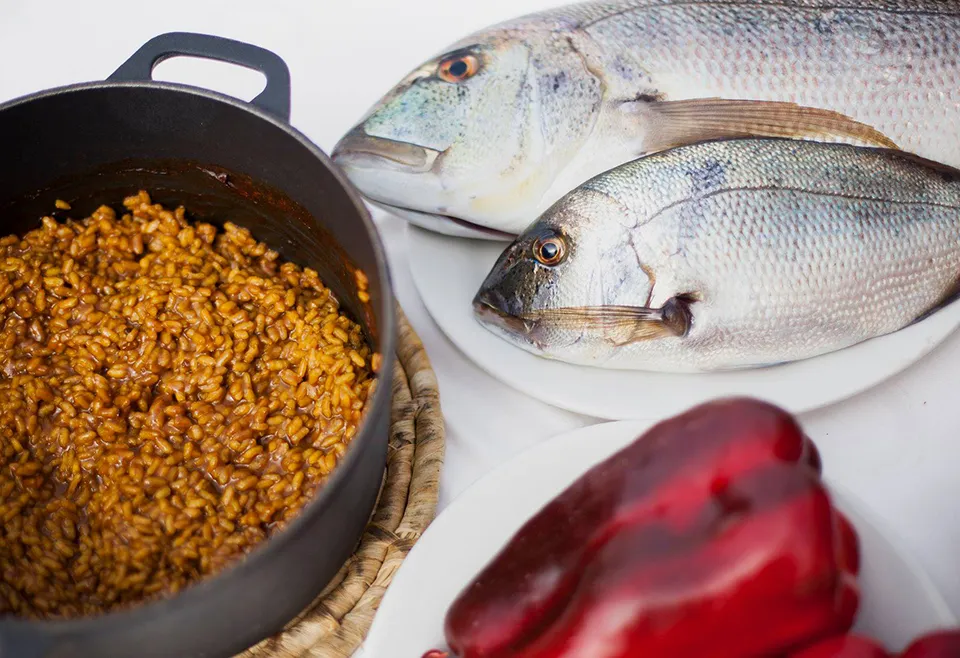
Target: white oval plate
[(448, 272), (899, 602)]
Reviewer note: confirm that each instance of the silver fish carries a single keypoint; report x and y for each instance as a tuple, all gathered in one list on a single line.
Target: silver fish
[(731, 254), (483, 138)]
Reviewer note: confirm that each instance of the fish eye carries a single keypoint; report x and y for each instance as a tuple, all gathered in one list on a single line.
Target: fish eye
[(549, 250), (459, 68)]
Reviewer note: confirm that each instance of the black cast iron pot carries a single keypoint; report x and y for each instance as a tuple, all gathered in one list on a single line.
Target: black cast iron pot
[(94, 143)]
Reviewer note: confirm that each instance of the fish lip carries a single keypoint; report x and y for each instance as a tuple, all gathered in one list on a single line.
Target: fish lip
[(357, 149), (486, 311)]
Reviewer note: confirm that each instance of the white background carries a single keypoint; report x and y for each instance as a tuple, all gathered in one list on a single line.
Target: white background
[(897, 447)]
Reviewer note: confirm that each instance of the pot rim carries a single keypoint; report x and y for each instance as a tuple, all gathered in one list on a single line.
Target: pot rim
[(325, 497)]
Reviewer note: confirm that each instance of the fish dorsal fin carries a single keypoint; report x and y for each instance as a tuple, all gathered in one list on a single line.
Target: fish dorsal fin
[(627, 324), (679, 123)]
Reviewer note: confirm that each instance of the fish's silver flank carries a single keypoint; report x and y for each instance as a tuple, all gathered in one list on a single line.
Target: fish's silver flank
[(731, 254), (483, 138)]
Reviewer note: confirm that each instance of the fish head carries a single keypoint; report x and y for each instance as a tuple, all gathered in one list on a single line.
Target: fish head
[(473, 138), (574, 259)]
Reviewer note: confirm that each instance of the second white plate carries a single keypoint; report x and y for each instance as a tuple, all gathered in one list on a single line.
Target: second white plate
[(898, 601), (448, 272)]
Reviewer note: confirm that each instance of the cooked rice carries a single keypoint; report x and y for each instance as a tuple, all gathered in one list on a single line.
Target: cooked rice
[(170, 396)]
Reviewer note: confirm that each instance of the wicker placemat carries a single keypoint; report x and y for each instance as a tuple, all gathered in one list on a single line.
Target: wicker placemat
[(336, 623)]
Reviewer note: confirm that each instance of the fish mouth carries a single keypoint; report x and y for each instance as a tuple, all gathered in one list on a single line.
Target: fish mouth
[(526, 330), (444, 224), (369, 161), (488, 312), (358, 149)]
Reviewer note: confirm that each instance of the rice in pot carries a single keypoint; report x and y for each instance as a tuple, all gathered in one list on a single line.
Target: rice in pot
[(171, 396)]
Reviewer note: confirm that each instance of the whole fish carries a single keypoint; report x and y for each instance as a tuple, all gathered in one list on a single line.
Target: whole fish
[(483, 138), (731, 254)]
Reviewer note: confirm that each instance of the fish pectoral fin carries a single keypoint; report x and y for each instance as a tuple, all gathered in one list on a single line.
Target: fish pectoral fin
[(622, 325), (678, 314), (679, 123), (672, 320)]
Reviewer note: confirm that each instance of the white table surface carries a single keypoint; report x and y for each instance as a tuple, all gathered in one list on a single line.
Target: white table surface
[(897, 446)]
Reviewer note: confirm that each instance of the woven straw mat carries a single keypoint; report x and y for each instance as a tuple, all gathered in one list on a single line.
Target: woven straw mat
[(336, 623)]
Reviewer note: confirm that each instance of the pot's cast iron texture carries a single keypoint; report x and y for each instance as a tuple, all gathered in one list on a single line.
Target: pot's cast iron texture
[(223, 159)]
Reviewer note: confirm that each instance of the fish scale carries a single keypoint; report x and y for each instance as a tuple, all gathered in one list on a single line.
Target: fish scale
[(586, 14), (786, 51), (783, 250)]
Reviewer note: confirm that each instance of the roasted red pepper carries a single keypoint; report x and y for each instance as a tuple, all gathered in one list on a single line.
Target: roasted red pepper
[(944, 644), (711, 535), (846, 646)]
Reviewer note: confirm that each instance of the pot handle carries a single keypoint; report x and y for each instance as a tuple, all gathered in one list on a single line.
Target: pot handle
[(275, 98)]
